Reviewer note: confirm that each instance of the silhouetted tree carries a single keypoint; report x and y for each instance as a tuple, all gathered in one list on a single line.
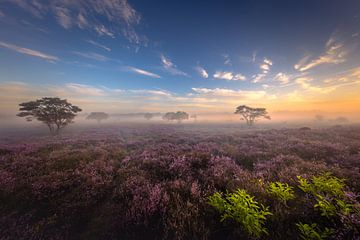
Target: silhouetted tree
[(56, 113), (148, 116), (98, 116), (194, 116), (319, 118), (178, 116), (251, 114)]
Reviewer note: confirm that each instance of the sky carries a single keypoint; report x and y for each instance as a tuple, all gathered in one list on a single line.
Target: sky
[(123, 56)]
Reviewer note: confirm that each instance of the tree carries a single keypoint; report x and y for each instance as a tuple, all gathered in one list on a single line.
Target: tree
[(148, 116), (194, 116), (178, 116), (98, 116), (251, 114), (56, 113)]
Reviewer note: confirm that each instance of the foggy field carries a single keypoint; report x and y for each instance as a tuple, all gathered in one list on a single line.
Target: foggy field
[(153, 181)]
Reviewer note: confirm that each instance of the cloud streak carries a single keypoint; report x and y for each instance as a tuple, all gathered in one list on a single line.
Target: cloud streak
[(170, 67), (29, 52), (335, 53), (143, 72)]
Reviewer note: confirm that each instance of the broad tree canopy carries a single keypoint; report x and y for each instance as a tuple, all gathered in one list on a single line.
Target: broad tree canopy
[(148, 116), (56, 113), (250, 115), (178, 116), (99, 116)]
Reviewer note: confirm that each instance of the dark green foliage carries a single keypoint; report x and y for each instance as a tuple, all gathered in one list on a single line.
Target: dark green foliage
[(56, 113), (312, 232)]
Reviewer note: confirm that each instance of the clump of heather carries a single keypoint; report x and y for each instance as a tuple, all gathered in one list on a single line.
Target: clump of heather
[(155, 183)]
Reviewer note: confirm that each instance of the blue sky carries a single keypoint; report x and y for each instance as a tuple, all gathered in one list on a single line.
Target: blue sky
[(194, 55)]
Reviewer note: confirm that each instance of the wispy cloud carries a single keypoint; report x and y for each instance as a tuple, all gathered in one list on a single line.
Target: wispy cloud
[(85, 89), (335, 53), (143, 72), (202, 72), (2, 14), (282, 78), (89, 15), (229, 76), (227, 60), (29, 52), (265, 68), (169, 66), (230, 93), (98, 45), (306, 84), (92, 55)]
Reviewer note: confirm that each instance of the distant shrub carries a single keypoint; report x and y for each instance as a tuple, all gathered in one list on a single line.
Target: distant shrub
[(281, 191), (312, 232), (243, 209)]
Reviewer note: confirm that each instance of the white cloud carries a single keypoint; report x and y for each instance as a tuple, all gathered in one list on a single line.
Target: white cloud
[(151, 92), (143, 72), (282, 77), (265, 66), (335, 53), (258, 77), (103, 31), (203, 73), (171, 67), (29, 52), (85, 89), (229, 76), (63, 17), (93, 56), (82, 21), (2, 14), (235, 94), (89, 14), (98, 45)]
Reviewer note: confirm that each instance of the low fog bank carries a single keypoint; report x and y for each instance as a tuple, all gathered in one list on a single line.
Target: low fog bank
[(11, 124)]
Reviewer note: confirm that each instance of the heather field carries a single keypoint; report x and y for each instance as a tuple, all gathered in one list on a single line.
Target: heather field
[(181, 182)]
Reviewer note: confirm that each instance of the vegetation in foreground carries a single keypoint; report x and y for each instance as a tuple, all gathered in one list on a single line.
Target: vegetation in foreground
[(165, 182)]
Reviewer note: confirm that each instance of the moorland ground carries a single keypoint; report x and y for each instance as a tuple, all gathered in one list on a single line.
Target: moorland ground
[(154, 182)]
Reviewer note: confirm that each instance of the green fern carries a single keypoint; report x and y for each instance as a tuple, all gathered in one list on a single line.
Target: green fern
[(312, 232), (281, 191), (243, 209)]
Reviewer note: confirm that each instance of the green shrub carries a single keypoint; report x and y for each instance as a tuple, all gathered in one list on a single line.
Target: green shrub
[(281, 191), (329, 194), (312, 232), (243, 209)]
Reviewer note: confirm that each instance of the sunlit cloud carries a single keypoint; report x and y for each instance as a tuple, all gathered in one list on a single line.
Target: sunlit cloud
[(282, 78), (29, 52), (98, 45), (229, 76), (335, 53), (258, 77), (170, 67), (265, 66), (202, 72), (143, 72)]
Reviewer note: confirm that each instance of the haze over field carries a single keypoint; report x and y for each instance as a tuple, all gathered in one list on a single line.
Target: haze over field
[(295, 59)]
